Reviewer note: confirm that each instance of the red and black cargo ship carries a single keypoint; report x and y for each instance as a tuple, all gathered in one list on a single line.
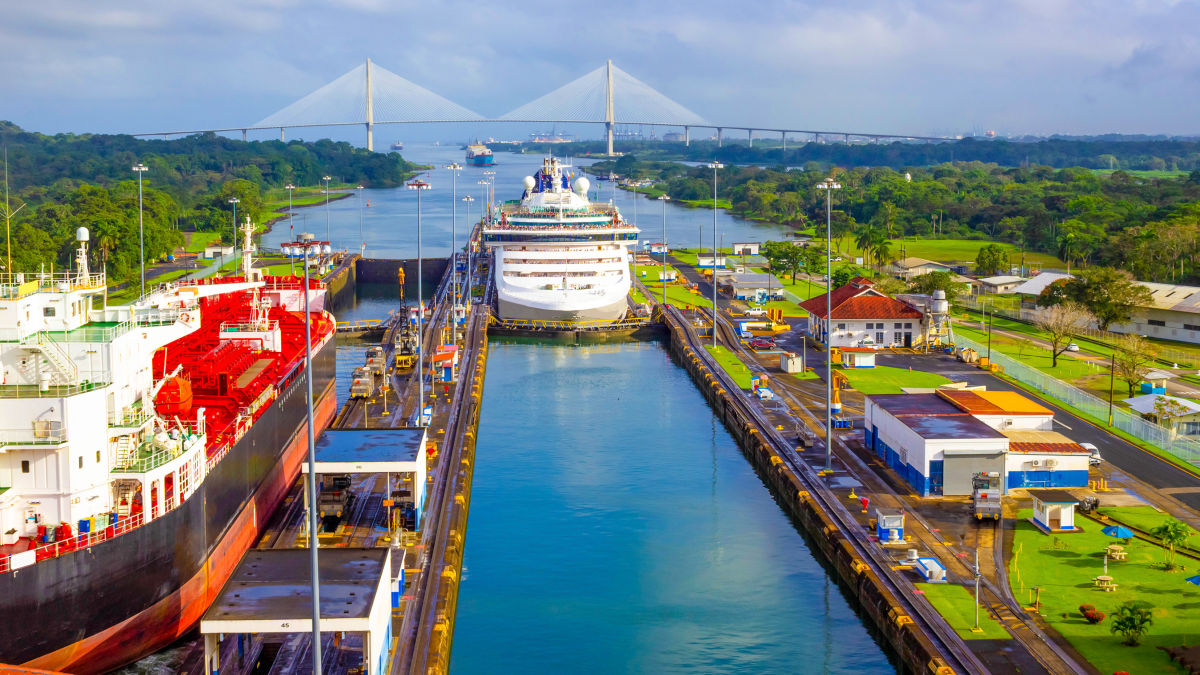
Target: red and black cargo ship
[(98, 601)]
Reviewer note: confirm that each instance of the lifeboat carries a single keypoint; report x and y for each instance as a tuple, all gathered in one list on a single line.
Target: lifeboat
[(175, 396)]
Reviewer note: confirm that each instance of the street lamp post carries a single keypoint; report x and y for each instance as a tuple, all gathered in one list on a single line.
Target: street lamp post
[(470, 243), (491, 179), (420, 186), (664, 199), (483, 203), (454, 168), (328, 232), (291, 226), (303, 246), (714, 166), (828, 185), (140, 169), (235, 201), (362, 242)]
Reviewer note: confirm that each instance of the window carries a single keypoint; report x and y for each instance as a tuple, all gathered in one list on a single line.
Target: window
[(898, 338), (81, 461), (879, 338), (1156, 322), (47, 311), (97, 456), (1190, 326), (908, 325), (24, 466), (841, 326)]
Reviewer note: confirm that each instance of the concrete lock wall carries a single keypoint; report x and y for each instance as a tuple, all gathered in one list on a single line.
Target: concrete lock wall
[(381, 271), (911, 645)]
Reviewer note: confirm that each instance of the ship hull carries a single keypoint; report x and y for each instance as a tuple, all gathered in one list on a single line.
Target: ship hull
[(93, 610), (482, 160), (515, 311)]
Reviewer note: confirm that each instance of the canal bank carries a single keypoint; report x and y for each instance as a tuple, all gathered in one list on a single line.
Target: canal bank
[(918, 635), (616, 526)]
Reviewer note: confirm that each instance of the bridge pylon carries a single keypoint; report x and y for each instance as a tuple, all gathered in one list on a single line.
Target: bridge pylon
[(370, 112), (609, 118)]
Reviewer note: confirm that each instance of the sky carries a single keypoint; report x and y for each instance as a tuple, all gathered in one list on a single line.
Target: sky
[(940, 67)]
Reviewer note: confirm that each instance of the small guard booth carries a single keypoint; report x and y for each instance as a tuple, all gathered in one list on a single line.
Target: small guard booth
[(398, 454), (270, 593), (1054, 510)]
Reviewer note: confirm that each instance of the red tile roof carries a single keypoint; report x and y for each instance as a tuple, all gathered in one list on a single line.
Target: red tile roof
[(1048, 448), (857, 300)]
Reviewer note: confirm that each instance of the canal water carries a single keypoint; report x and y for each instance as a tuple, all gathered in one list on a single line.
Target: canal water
[(615, 527), (389, 224)]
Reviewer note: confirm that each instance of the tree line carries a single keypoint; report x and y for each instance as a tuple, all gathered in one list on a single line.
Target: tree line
[(70, 180), (1128, 153), (1148, 226)]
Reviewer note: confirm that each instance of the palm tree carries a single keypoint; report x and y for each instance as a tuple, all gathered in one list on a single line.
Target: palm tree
[(1132, 620), (864, 239), (1172, 533), (883, 248)]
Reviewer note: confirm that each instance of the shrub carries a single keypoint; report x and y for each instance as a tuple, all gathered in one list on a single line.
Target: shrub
[(1094, 616)]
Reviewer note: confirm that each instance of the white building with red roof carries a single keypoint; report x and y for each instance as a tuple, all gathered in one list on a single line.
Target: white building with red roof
[(864, 317)]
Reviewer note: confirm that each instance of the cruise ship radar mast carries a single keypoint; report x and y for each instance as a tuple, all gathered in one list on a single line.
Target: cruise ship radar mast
[(81, 262)]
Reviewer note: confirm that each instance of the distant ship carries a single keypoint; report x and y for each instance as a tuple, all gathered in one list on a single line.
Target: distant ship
[(145, 448), (479, 154), (397, 146), (557, 256)]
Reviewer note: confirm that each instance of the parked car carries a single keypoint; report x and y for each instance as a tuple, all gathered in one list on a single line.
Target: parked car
[(762, 343), (1094, 459), (756, 311), (1072, 347)]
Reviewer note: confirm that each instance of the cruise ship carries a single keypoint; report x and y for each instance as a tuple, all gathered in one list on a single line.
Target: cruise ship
[(143, 449), (558, 256)]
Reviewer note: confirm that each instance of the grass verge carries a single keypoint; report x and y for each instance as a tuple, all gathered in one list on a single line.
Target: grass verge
[(889, 380), (956, 604), (731, 364)]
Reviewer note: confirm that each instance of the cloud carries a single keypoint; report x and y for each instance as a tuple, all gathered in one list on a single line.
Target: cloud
[(907, 66)]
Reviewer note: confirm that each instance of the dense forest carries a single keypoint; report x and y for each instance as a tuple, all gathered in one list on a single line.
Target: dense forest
[(1128, 153), (1148, 226), (61, 182)]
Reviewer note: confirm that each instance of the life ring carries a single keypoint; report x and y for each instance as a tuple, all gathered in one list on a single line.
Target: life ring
[(185, 318)]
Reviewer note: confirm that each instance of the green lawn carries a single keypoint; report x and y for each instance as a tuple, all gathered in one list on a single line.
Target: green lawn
[(1141, 517), (1091, 375), (680, 296), (1143, 173), (957, 605), (1063, 567), (888, 380), (198, 241), (705, 203), (953, 250), (732, 365)]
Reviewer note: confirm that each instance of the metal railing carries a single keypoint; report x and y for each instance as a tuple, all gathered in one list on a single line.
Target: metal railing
[(1131, 423), (53, 391), (41, 432), (142, 463), (19, 285), (73, 543)]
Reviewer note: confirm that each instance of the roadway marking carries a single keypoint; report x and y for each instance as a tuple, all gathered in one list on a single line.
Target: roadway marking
[(1063, 425)]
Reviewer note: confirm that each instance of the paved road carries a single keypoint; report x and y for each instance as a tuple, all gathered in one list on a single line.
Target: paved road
[(1121, 454)]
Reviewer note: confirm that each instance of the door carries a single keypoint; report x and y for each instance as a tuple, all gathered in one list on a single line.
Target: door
[(908, 340), (936, 476), (1054, 514)]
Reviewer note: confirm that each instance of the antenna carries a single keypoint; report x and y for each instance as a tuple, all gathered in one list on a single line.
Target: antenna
[(8, 214)]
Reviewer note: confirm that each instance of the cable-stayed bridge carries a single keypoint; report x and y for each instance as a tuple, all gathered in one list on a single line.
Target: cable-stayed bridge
[(370, 95)]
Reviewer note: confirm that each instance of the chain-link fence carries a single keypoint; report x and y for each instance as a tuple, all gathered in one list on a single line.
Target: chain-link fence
[(1178, 357), (1131, 423)]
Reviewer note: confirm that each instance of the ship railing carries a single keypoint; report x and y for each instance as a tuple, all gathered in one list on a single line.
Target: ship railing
[(143, 463), (20, 284), (157, 316), (41, 432), (248, 326), (547, 325), (129, 417), (80, 540), (51, 391)]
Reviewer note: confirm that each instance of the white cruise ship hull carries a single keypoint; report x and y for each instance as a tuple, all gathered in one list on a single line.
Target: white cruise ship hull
[(556, 308)]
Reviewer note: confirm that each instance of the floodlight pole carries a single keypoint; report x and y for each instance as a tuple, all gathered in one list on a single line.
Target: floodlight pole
[(828, 185), (420, 186), (291, 226), (467, 199), (714, 166), (140, 169), (454, 168), (664, 199), (306, 243), (328, 232)]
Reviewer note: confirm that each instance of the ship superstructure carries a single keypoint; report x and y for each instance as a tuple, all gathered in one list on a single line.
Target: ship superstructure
[(141, 449), (557, 255)]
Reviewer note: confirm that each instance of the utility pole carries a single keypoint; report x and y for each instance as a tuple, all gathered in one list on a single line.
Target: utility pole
[(977, 577), (1112, 368), (454, 168), (328, 232)]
